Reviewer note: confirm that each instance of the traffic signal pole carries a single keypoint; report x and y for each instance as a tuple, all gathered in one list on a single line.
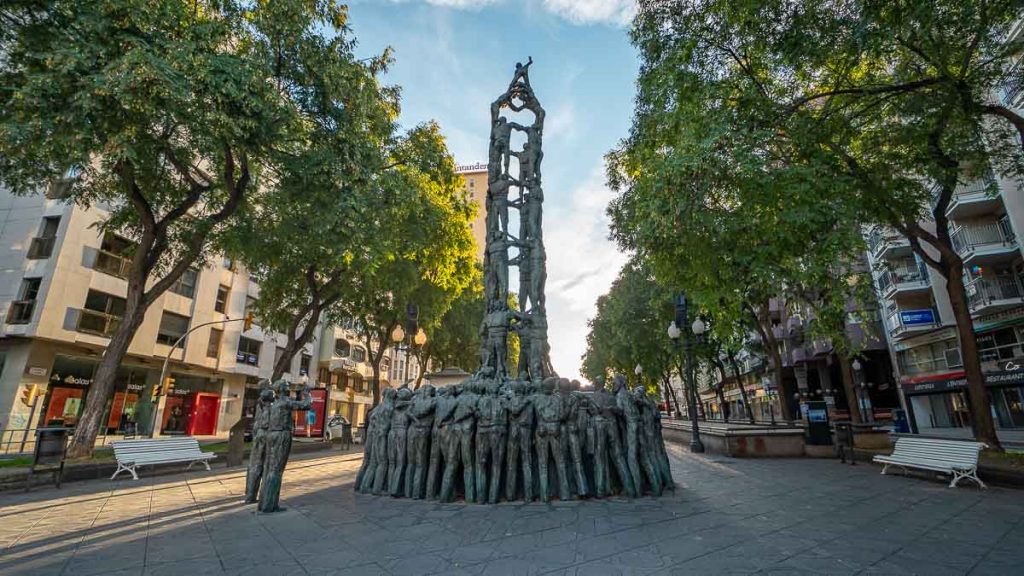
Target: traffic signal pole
[(161, 384)]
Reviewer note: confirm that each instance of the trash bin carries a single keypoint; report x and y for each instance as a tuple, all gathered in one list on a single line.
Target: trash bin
[(346, 436), (844, 441)]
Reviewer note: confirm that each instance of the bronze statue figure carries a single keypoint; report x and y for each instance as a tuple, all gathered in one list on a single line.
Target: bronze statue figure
[(422, 414), (491, 423), (397, 438), (550, 411), (279, 443), (258, 454), (439, 438), (604, 418), (520, 440)]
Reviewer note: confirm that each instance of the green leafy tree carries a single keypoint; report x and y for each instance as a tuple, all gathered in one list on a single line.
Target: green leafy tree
[(428, 253), (630, 329), (891, 105), (167, 114)]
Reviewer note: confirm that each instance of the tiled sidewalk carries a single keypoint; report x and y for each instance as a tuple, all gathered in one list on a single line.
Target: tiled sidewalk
[(727, 516)]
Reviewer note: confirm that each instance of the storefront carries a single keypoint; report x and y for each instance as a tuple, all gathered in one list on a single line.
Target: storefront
[(941, 401), (192, 406), (69, 384)]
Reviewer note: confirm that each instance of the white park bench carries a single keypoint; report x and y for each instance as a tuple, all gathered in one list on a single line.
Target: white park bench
[(956, 457), (133, 453)]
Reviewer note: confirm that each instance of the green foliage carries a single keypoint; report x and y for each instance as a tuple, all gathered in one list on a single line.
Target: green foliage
[(425, 253), (630, 329), (454, 338), (766, 134)]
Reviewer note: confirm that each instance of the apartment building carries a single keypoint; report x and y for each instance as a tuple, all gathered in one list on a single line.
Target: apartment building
[(809, 367), (62, 291), (986, 216)]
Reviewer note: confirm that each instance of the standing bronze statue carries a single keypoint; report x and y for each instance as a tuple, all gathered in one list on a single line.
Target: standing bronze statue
[(460, 443), (381, 425), (258, 454), (571, 445), (550, 411), (422, 414), (397, 439), (491, 426), (520, 440), (440, 439), (604, 413), (279, 443), (650, 437)]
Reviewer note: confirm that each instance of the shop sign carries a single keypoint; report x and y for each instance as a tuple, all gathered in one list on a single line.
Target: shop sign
[(73, 380), (1011, 373), (917, 317), (37, 371)]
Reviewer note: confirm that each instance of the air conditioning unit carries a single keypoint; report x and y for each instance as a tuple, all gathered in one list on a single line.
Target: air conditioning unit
[(953, 359)]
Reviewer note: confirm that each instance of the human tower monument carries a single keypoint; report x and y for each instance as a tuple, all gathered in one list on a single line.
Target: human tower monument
[(515, 432)]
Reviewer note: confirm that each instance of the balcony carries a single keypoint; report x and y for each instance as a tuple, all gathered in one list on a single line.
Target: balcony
[(904, 280), (975, 199), (1012, 89), (20, 311), (902, 323), (41, 247), (987, 295), (112, 264), (886, 243), (98, 323), (986, 243)]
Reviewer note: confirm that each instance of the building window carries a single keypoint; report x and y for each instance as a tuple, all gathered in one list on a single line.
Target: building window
[(358, 354), (342, 348), (101, 314), (221, 303), (250, 305), (21, 309), (324, 376), (114, 257), (304, 364), (185, 285), (213, 346), (172, 328), (248, 351), (42, 245), (385, 365)]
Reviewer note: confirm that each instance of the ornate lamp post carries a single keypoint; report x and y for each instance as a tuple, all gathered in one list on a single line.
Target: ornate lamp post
[(416, 342), (673, 333)]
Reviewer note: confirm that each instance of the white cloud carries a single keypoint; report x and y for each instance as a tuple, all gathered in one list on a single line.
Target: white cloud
[(616, 12), (582, 263), (593, 11)]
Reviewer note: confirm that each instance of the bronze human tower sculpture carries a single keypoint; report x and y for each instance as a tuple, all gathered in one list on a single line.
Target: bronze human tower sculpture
[(516, 187)]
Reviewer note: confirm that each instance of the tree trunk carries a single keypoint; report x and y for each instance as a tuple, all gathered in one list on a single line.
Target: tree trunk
[(977, 394), (102, 386), (850, 388), (720, 389), (669, 391), (772, 345), (743, 389)]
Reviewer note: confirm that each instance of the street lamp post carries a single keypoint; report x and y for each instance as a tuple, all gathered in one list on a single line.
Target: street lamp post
[(397, 336), (673, 333)]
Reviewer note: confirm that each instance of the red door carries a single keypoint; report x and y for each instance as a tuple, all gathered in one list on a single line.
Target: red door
[(204, 414)]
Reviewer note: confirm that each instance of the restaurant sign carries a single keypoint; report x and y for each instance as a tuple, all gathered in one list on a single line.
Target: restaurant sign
[(1011, 373)]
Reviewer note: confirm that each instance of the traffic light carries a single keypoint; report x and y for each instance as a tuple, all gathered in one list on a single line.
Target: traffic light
[(247, 324), (154, 393), (168, 385), (28, 395)]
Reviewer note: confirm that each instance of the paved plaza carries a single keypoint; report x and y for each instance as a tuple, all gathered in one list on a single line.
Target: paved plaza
[(728, 516)]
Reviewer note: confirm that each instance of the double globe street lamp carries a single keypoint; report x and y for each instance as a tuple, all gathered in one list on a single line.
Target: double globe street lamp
[(397, 336), (697, 329)]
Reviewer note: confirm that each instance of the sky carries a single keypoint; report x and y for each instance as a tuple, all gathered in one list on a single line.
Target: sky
[(454, 57)]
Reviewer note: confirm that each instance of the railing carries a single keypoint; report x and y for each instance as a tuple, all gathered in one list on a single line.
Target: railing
[(22, 441), (968, 238), (113, 264), (984, 291), (20, 311), (99, 323), (879, 239), (892, 277), (41, 247)]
